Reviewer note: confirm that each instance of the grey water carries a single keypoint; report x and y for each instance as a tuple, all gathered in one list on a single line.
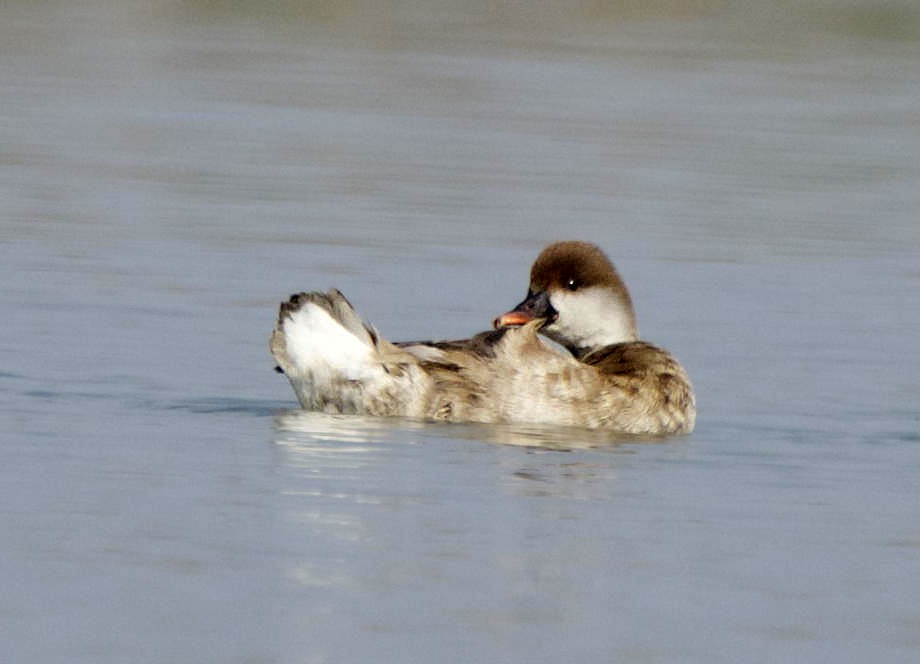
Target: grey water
[(169, 172)]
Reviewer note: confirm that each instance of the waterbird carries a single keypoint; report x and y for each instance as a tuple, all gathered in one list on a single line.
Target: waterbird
[(569, 354)]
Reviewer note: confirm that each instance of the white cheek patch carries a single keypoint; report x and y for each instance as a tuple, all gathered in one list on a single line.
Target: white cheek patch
[(591, 318)]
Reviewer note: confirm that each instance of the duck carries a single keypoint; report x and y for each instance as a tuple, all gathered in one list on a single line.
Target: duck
[(569, 354)]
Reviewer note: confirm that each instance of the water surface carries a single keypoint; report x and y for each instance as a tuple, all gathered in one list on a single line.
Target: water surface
[(171, 171)]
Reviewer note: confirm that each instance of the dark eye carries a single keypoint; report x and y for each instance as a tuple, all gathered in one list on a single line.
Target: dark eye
[(572, 285)]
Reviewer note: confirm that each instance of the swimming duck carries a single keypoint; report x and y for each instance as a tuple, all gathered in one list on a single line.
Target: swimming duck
[(597, 373)]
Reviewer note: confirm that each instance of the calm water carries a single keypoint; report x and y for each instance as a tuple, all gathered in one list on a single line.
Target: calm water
[(170, 171)]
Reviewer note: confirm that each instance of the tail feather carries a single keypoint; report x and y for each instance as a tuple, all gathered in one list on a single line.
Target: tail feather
[(318, 325), (333, 360), (340, 309), (337, 364), (333, 303)]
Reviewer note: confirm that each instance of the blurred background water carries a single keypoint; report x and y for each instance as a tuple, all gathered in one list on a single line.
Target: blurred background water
[(169, 171)]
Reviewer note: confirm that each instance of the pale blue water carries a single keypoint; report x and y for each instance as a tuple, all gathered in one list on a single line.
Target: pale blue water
[(167, 176)]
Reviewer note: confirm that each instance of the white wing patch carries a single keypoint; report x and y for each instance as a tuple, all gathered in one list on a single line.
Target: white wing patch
[(425, 353)]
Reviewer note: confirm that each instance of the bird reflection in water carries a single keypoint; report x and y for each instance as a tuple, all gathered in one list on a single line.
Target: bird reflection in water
[(305, 426)]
